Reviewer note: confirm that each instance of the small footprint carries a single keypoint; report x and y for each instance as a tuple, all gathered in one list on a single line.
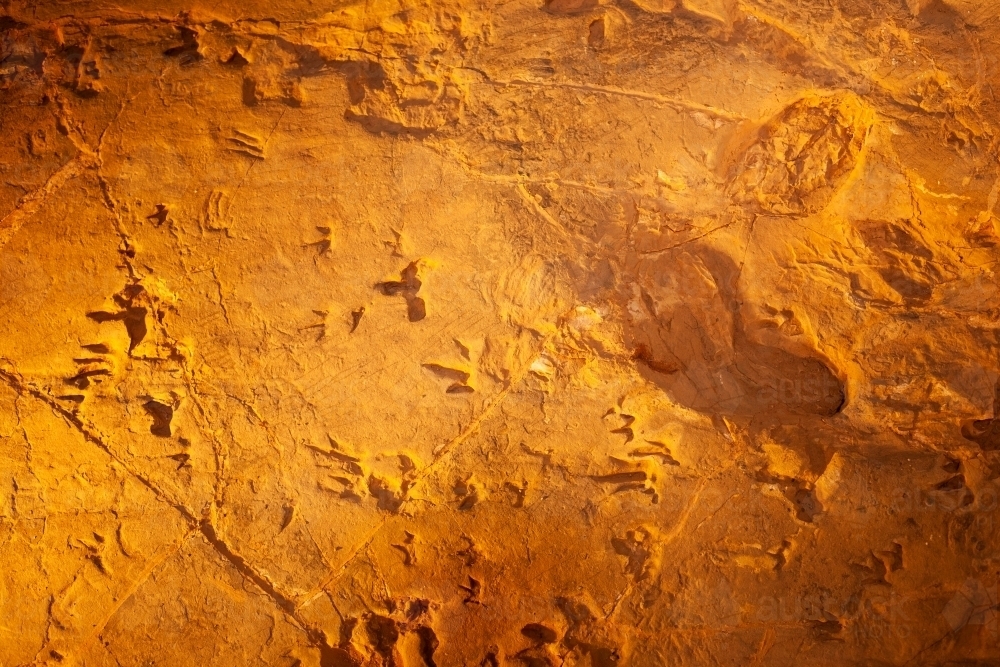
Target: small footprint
[(407, 286)]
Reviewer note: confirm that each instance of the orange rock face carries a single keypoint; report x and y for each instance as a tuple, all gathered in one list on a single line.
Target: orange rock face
[(566, 332)]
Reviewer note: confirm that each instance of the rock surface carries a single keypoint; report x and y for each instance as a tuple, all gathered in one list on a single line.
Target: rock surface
[(578, 332)]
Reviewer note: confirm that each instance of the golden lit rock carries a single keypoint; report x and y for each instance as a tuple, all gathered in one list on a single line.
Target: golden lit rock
[(561, 332)]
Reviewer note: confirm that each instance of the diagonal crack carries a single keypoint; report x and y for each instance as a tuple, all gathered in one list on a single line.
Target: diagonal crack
[(32, 202), (352, 556), (440, 452), (204, 525), (283, 601), (150, 570), (211, 536), (678, 105), (16, 382)]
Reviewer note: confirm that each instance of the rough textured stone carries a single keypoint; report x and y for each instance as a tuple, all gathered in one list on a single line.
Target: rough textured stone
[(566, 332)]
